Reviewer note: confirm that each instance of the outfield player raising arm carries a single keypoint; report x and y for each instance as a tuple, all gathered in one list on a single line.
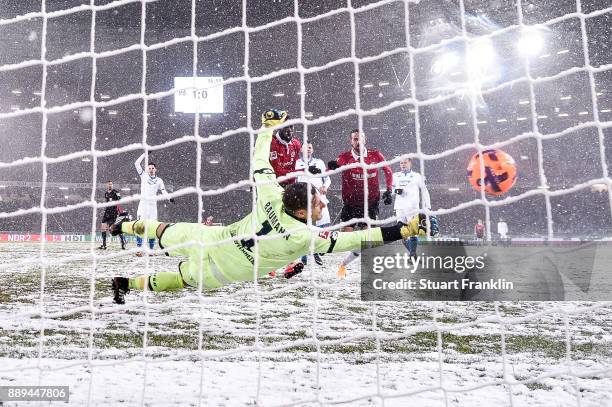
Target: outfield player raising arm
[(226, 254), (150, 186)]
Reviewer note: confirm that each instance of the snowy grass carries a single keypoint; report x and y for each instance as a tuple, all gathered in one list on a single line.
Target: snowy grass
[(300, 341)]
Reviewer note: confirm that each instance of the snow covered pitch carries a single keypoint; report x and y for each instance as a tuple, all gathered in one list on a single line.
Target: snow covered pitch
[(303, 341)]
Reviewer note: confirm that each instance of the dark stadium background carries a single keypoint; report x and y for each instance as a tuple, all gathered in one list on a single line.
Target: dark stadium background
[(567, 160)]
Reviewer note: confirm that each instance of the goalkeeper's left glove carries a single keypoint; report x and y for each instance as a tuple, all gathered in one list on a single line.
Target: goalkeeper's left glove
[(387, 197), (273, 117)]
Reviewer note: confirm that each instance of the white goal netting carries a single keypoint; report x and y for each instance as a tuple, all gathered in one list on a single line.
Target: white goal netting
[(88, 86)]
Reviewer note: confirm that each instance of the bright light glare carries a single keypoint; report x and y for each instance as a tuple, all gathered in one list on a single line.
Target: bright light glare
[(445, 63), (480, 56), (531, 42)]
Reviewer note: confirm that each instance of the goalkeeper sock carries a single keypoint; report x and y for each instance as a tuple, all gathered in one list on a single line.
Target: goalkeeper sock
[(151, 244), (139, 227), (164, 281), (138, 241), (104, 239), (138, 283), (350, 258)]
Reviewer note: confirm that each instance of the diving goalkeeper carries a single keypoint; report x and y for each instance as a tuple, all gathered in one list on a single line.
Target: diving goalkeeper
[(220, 255)]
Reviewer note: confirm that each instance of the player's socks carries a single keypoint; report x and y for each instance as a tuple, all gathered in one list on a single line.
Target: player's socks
[(151, 244), (122, 239), (138, 283), (166, 281), (350, 258), (163, 281), (305, 259), (347, 260), (411, 245), (138, 241), (104, 239)]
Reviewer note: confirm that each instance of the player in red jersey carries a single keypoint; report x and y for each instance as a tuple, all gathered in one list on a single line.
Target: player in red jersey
[(353, 186), (285, 150)]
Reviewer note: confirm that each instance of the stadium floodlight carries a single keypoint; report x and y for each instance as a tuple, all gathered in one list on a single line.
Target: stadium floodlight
[(480, 56), (531, 42), (445, 62)]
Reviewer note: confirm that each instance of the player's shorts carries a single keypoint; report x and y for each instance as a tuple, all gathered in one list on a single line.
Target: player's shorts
[(350, 212), (147, 210), (109, 217), (199, 268)]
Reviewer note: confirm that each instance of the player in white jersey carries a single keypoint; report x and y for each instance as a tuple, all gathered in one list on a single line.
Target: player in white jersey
[(150, 186), (315, 166), (411, 194)]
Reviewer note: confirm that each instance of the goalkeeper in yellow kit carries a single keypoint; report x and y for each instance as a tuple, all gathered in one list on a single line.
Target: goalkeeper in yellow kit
[(220, 255)]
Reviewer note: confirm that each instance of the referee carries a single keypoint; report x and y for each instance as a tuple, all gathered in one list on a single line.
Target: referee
[(110, 214)]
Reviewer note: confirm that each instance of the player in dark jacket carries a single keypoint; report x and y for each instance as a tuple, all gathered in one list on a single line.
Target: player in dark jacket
[(110, 214)]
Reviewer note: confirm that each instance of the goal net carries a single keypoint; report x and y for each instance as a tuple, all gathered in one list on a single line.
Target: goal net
[(88, 86)]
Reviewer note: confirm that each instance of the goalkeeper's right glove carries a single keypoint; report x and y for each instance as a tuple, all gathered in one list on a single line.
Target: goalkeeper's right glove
[(273, 117)]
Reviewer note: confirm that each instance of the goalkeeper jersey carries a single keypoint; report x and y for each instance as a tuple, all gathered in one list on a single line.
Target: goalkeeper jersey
[(282, 237)]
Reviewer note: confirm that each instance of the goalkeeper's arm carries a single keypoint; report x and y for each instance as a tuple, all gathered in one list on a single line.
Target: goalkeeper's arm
[(262, 169), (334, 242)]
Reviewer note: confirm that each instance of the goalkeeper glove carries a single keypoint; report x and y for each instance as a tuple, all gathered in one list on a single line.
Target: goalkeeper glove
[(273, 117), (172, 200), (313, 169), (417, 226), (399, 191), (387, 197)]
